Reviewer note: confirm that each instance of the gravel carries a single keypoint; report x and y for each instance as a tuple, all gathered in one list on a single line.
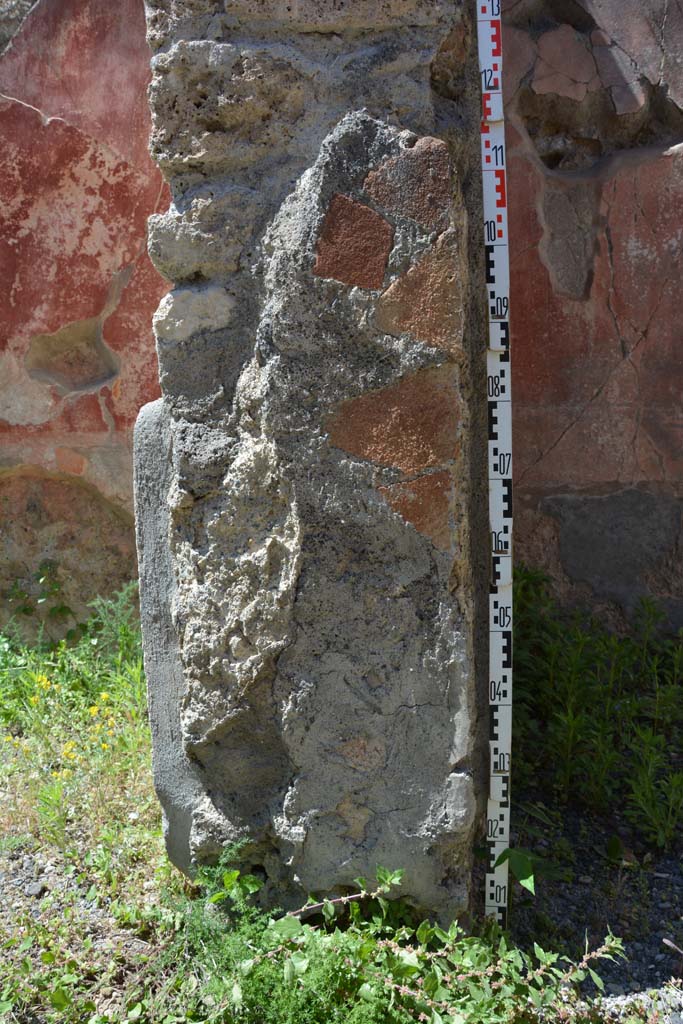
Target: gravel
[(640, 899), (637, 894)]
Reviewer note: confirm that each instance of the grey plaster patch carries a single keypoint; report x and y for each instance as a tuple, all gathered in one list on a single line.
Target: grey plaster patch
[(612, 542), (176, 778)]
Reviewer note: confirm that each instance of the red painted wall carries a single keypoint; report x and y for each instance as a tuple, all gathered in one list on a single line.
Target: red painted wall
[(77, 289), (593, 95), (595, 174)]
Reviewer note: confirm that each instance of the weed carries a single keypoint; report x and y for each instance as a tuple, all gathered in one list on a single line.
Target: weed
[(126, 939), (598, 715)]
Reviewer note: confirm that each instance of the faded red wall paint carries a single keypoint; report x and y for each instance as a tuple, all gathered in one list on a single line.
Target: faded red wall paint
[(595, 271), (77, 288), (596, 221)]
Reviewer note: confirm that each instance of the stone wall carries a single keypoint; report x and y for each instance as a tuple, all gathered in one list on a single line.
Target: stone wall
[(595, 172), (310, 489), (593, 113), (77, 292)]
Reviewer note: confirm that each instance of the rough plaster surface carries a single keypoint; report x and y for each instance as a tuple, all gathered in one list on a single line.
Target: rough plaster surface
[(311, 652), (595, 173), (12, 13)]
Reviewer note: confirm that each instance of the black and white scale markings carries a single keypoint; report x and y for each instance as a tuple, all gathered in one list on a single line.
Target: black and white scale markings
[(489, 33)]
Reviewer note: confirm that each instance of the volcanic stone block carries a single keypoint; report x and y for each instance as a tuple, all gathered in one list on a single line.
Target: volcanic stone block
[(304, 492)]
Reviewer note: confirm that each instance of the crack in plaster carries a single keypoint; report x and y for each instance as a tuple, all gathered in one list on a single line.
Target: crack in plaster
[(626, 358)]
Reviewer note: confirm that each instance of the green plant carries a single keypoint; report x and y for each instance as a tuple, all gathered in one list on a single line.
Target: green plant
[(39, 597), (129, 940), (378, 963), (596, 714)]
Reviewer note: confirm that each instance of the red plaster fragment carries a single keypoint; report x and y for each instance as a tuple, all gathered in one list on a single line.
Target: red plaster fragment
[(69, 461), (415, 184), (427, 503), (411, 425), (427, 301), (354, 244)]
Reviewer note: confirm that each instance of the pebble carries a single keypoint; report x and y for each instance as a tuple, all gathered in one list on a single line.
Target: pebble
[(35, 888), (642, 905)]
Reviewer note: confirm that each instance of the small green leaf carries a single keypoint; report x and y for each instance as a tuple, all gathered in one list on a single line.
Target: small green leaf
[(615, 849), (521, 865), (366, 992), (218, 897), (135, 1012), (6, 1005), (286, 927), (289, 972), (229, 878), (408, 958), (60, 999), (47, 957), (597, 980), (535, 996), (249, 884), (300, 963)]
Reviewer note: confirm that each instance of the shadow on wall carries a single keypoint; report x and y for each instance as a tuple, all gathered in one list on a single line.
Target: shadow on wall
[(53, 526)]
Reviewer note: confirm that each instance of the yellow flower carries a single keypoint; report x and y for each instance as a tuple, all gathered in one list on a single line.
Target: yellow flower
[(110, 732), (8, 738), (34, 699), (105, 746), (43, 682), (94, 710), (104, 695)]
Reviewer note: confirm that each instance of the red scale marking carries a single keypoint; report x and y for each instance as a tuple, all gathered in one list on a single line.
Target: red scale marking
[(496, 39), (501, 200)]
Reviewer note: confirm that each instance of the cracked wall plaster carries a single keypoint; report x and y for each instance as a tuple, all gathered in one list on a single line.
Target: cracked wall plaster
[(78, 289)]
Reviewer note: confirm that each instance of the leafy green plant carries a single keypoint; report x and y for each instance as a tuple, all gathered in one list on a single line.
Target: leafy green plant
[(597, 714), (401, 971), (77, 787), (38, 597)]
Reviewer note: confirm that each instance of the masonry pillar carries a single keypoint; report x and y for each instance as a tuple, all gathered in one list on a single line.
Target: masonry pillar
[(308, 489)]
